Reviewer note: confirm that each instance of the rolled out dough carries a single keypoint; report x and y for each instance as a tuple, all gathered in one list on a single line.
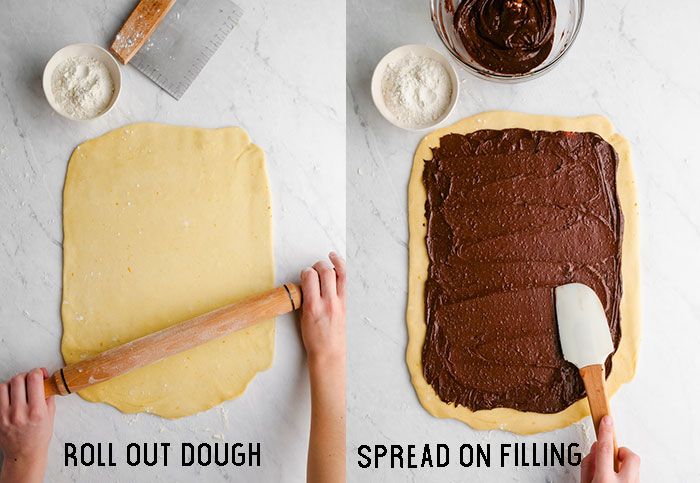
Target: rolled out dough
[(161, 224), (624, 360)]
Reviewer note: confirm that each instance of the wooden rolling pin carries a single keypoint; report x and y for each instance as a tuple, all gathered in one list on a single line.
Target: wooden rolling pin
[(172, 340)]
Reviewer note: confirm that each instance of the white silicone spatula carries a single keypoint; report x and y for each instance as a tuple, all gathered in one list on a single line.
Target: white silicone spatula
[(586, 342)]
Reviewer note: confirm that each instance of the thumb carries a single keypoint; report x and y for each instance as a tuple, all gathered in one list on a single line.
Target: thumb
[(604, 456)]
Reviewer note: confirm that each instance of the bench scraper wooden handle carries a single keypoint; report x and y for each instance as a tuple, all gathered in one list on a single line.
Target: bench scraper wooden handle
[(174, 339), (138, 27)]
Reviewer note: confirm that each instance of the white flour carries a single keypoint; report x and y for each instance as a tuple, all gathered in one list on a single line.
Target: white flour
[(82, 87), (417, 90)]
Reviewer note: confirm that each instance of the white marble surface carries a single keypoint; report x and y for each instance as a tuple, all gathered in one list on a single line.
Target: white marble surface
[(273, 76), (637, 66)]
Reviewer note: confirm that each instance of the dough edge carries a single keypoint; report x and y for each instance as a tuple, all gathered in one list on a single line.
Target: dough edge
[(624, 360), (265, 330)]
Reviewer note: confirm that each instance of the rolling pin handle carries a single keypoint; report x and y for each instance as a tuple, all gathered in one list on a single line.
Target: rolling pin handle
[(55, 385), (296, 297)]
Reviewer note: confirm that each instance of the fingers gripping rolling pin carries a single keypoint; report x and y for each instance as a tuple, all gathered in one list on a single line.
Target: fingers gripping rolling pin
[(172, 340)]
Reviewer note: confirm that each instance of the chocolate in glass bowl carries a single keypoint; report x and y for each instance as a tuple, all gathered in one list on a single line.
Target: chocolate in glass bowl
[(568, 23)]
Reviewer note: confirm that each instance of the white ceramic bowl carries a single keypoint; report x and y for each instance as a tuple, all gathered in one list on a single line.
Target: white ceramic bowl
[(76, 50), (397, 54)]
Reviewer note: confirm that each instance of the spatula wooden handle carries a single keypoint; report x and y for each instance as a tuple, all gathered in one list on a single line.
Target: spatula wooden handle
[(172, 340), (138, 27), (594, 380)]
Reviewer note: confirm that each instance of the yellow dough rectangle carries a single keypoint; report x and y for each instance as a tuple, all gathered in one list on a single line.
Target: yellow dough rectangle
[(161, 224)]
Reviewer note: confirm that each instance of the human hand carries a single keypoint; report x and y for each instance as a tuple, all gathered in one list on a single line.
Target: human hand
[(323, 331), (26, 426), (323, 309), (597, 467)]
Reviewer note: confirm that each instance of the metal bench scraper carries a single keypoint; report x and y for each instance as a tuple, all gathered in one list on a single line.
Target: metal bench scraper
[(171, 41)]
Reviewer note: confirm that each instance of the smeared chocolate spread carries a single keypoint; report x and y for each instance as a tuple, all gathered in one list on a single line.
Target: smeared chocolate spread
[(511, 215)]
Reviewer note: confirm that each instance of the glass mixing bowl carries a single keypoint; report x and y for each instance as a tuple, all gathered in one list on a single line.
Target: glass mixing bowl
[(568, 23)]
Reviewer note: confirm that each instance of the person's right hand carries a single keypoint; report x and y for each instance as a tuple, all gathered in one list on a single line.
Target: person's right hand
[(597, 467), (26, 425), (323, 309)]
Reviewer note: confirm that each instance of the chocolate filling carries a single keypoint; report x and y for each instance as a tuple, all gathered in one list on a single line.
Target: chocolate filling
[(512, 214), (507, 36)]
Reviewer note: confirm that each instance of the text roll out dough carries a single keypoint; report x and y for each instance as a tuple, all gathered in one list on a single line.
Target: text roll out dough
[(161, 224), (624, 360)]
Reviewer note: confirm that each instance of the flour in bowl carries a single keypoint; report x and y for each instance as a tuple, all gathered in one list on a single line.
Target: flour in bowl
[(417, 90), (82, 87)]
